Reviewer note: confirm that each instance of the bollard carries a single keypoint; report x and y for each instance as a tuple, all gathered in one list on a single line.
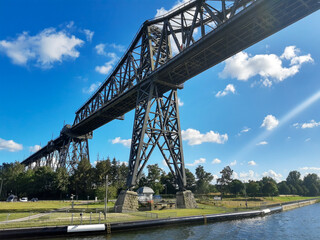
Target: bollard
[(90, 216), (8, 217), (72, 218), (81, 218), (99, 217)]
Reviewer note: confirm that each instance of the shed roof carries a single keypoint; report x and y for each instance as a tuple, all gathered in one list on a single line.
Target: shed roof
[(145, 190)]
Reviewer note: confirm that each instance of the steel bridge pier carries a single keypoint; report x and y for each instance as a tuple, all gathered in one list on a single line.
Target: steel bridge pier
[(156, 123)]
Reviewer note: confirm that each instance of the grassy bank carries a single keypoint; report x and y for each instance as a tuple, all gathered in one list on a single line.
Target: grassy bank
[(61, 213)]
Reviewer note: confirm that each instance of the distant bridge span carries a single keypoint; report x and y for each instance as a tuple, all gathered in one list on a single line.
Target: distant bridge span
[(166, 52)]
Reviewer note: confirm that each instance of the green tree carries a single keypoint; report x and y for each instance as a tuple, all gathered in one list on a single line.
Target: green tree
[(100, 192), (102, 169), (224, 181), (312, 183), (191, 180), (284, 188), (154, 177), (203, 180), (169, 183), (62, 182), (44, 183), (82, 179), (293, 178), (269, 187), (313, 190), (236, 186), (253, 188)]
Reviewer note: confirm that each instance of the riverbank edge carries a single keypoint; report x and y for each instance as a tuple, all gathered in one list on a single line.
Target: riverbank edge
[(109, 228)]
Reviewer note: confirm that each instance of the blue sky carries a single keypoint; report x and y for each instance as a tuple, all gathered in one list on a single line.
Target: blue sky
[(258, 111)]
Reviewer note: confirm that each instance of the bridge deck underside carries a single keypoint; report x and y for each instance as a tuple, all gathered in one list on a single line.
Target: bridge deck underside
[(241, 32), (260, 20)]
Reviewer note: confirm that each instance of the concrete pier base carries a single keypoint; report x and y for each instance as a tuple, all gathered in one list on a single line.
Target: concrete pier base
[(185, 199), (127, 202)]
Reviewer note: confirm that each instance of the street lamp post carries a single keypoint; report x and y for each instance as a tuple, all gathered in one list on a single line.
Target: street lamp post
[(245, 192), (1, 186), (105, 199)]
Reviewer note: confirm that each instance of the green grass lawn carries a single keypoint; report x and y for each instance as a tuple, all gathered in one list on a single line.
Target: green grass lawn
[(288, 198), (32, 206), (8, 216), (45, 206)]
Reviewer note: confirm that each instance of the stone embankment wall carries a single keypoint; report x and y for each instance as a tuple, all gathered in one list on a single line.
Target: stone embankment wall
[(298, 204)]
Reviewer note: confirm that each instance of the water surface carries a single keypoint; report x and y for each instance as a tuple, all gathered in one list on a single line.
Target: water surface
[(301, 223)]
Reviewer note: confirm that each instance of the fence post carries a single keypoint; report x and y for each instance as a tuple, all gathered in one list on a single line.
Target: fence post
[(99, 217), (72, 218), (90, 216)]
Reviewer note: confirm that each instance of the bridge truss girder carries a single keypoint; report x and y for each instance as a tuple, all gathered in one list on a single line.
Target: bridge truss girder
[(156, 123), (67, 155)]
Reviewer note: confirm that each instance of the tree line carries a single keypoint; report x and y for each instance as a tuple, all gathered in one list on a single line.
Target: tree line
[(87, 181)]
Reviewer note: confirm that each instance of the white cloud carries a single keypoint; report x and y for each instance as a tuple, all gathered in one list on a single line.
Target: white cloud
[(228, 89), (163, 11), (233, 163), (124, 142), (262, 143), (89, 34), (270, 122), (252, 163), (235, 175), (296, 125), (10, 145), (310, 168), (244, 130), (187, 19), (34, 148), (194, 137), (118, 47), (269, 67), (273, 174), (180, 103), (125, 163), (310, 124), (216, 161), (164, 163), (101, 48), (91, 88), (43, 49), (250, 175), (196, 162), (307, 140), (107, 67)]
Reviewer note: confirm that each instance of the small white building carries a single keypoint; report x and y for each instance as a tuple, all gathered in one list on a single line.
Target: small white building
[(145, 194)]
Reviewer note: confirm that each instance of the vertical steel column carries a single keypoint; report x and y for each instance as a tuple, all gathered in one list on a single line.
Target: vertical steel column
[(141, 118), (156, 123), (171, 149)]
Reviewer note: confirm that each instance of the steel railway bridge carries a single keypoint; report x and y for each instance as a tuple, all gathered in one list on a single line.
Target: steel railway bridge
[(166, 52)]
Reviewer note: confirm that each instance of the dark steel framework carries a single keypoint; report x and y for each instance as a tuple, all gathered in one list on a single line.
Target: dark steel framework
[(166, 52), (156, 123), (66, 153)]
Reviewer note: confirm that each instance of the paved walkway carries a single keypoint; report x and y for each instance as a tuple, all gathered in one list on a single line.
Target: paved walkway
[(25, 218)]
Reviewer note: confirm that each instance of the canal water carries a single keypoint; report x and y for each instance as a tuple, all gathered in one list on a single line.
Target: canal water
[(301, 223)]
